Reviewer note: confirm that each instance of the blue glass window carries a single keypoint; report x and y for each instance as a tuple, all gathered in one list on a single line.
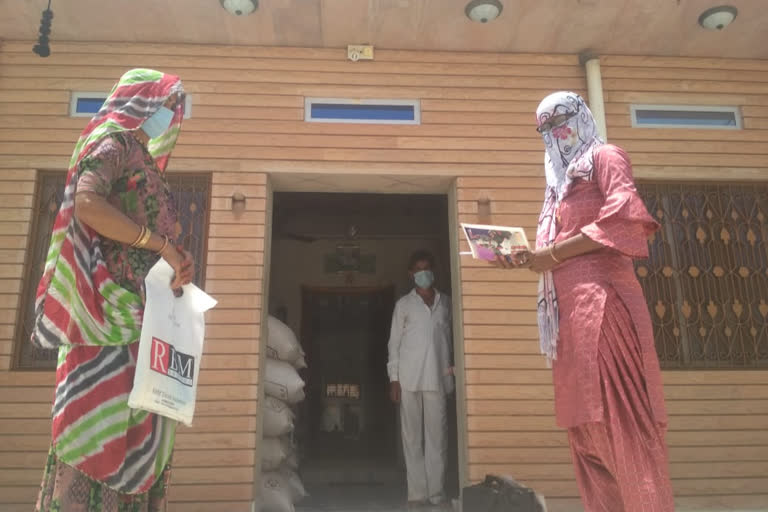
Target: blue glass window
[(370, 111), (686, 117), (88, 105)]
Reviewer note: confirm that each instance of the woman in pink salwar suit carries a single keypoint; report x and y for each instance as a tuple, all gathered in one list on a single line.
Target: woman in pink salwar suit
[(593, 320)]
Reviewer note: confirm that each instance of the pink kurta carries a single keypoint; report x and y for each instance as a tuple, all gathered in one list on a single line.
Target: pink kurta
[(609, 211)]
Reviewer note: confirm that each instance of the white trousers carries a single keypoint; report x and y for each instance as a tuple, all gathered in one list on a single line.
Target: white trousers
[(424, 422)]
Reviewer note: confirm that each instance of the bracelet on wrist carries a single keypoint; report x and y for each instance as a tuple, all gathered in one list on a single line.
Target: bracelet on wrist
[(165, 244), (142, 231), (552, 253), (144, 240)]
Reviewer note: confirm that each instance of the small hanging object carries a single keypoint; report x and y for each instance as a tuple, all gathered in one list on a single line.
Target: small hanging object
[(41, 48)]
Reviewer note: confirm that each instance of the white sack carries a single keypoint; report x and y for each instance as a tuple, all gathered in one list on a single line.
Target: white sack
[(281, 380), (292, 461), (291, 453), (273, 453), (295, 486), (300, 363), (278, 417), (281, 341), (170, 347), (275, 493)]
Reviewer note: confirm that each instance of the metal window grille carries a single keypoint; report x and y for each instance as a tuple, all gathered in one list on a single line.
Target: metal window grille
[(191, 193), (48, 197), (706, 280)]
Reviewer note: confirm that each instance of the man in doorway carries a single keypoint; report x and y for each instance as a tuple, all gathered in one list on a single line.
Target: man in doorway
[(421, 378)]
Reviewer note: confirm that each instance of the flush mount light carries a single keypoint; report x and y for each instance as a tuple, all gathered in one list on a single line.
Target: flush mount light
[(483, 11), (240, 7), (717, 18)]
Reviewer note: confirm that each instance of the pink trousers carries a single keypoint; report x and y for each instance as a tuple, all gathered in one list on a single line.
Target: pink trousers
[(621, 463)]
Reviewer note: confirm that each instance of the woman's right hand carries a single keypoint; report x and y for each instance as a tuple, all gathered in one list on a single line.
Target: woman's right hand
[(182, 263), (517, 260)]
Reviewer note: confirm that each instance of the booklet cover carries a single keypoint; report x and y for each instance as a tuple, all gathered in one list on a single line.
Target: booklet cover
[(486, 242)]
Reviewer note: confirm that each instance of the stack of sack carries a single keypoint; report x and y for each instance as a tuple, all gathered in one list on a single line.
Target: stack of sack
[(281, 486)]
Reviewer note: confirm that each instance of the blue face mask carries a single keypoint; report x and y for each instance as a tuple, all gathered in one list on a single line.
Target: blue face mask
[(158, 123), (424, 279)]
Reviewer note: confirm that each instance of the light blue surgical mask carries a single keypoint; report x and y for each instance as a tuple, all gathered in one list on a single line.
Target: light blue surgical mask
[(424, 279), (158, 123)]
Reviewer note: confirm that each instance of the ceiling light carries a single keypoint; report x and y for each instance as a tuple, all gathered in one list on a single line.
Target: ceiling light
[(483, 11), (717, 18), (240, 7)]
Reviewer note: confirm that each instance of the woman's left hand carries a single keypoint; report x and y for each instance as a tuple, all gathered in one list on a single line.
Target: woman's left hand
[(541, 261)]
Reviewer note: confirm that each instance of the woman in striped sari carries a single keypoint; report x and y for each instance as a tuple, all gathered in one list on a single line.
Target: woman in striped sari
[(116, 220)]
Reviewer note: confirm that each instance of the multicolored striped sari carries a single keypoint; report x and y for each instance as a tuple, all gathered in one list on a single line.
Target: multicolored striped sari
[(92, 320)]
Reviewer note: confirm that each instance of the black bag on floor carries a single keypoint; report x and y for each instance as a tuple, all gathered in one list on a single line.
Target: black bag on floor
[(498, 494)]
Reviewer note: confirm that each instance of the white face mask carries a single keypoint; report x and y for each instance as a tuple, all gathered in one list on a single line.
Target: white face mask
[(158, 123), (424, 279)]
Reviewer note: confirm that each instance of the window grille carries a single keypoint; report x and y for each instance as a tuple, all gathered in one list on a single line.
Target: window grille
[(191, 193), (706, 280)]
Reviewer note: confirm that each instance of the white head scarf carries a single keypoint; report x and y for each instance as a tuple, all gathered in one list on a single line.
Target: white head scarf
[(569, 156)]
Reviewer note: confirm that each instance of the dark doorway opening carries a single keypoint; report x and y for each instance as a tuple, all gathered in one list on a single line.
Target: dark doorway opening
[(338, 265)]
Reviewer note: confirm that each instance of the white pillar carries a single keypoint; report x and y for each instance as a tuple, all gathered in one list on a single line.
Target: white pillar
[(591, 64)]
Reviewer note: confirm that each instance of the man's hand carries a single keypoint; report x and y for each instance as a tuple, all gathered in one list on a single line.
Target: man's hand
[(394, 391)]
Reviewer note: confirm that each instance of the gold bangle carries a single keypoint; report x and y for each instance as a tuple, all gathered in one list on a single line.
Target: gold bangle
[(552, 253), (165, 244), (142, 230), (144, 239)]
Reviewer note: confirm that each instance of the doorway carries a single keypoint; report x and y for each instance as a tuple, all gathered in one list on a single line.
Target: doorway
[(338, 265)]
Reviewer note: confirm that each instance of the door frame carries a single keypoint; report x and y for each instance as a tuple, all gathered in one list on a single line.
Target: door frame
[(265, 277), (458, 338), (458, 328)]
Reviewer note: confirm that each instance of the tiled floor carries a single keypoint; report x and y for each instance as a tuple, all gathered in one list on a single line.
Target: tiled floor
[(358, 485), (352, 497), (375, 494)]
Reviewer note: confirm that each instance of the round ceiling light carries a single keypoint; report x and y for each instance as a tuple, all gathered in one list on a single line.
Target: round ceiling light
[(240, 7), (483, 11), (717, 18)]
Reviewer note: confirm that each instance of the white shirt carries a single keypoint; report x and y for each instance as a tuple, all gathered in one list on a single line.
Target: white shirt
[(420, 344)]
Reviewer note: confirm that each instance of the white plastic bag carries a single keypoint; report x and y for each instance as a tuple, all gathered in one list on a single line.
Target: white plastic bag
[(275, 493), (281, 380), (278, 417), (273, 453), (281, 341), (170, 347)]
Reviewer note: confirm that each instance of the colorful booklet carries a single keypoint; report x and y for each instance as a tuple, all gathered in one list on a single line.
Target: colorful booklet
[(487, 242)]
